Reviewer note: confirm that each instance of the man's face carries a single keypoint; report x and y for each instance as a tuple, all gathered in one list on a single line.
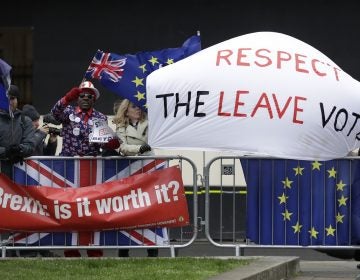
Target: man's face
[(13, 103), (86, 100)]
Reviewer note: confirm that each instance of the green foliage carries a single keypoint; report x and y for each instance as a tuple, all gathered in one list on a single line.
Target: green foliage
[(119, 268)]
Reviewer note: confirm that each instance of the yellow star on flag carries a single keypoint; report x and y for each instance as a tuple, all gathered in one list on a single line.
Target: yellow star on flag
[(313, 232), (286, 215), (298, 170), (143, 68), (332, 172), (138, 81), (342, 200), (340, 186), (297, 227), (339, 218), (316, 165), (153, 60), (330, 231), (282, 198), (140, 95), (287, 183), (170, 61)]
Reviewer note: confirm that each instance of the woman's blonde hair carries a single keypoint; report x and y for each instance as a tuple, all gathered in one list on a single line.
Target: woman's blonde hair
[(121, 119)]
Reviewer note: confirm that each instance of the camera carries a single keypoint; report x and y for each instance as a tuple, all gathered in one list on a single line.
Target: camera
[(54, 130)]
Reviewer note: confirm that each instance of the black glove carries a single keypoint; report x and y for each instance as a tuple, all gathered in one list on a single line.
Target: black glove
[(12, 149), (144, 148), (15, 154)]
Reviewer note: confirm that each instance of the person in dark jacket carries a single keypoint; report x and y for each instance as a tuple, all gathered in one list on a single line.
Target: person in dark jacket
[(41, 148), (16, 134), (16, 140)]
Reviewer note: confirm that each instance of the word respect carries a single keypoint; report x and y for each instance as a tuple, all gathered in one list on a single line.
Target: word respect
[(247, 57)]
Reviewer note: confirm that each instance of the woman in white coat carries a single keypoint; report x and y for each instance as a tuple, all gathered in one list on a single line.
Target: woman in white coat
[(132, 129)]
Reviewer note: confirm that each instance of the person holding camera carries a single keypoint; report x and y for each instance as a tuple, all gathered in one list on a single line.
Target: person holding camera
[(41, 148)]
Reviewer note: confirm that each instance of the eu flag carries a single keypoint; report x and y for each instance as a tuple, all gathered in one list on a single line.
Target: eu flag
[(4, 84), (296, 202), (126, 74)]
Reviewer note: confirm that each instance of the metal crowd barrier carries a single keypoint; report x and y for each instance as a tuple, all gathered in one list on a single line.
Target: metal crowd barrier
[(250, 202), (257, 202), (52, 171)]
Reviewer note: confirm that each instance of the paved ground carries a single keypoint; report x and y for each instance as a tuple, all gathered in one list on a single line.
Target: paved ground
[(204, 248), (321, 270)]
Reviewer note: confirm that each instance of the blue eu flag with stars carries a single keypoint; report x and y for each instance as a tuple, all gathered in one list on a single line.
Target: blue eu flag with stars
[(296, 202)]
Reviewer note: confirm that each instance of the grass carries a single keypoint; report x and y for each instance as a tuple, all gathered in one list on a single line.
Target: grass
[(132, 268)]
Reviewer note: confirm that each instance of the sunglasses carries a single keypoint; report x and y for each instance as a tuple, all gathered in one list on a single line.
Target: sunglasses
[(88, 95), (12, 97)]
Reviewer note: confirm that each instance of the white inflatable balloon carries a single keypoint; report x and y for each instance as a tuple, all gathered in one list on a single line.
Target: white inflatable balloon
[(262, 93)]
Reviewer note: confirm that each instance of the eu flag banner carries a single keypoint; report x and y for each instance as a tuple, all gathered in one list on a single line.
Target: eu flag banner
[(4, 84), (73, 173), (355, 198), (296, 202), (126, 74)]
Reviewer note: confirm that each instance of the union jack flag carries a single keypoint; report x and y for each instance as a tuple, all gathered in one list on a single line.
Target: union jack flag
[(105, 65), (81, 172)]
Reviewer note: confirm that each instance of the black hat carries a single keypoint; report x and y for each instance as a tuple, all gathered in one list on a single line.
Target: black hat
[(14, 91), (30, 111)]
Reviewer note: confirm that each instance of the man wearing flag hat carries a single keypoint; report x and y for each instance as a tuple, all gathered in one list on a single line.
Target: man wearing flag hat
[(77, 128), (78, 121)]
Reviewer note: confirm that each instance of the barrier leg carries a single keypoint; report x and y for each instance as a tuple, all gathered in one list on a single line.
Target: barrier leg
[(237, 250), (172, 251)]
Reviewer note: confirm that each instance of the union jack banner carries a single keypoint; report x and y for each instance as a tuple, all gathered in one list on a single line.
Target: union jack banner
[(82, 172)]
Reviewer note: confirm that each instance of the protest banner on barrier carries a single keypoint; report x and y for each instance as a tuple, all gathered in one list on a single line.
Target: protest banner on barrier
[(138, 201)]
